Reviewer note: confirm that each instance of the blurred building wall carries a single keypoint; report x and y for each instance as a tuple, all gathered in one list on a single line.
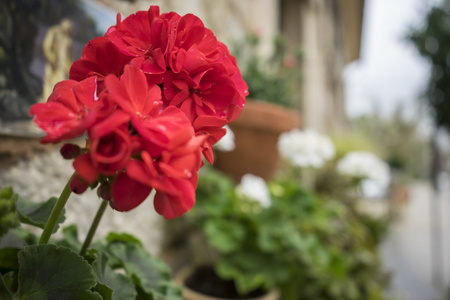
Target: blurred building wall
[(228, 19), (329, 32)]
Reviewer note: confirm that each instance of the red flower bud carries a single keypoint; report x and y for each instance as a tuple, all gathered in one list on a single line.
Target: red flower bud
[(70, 151), (78, 185), (104, 191)]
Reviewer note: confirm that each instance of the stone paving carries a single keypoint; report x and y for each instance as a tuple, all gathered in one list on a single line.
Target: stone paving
[(416, 251)]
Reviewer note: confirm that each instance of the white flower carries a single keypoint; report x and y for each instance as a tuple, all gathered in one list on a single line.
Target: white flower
[(255, 188), (366, 165), (226, 143), (305, 148)]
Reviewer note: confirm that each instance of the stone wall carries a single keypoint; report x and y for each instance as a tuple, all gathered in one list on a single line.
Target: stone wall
[(323, 64)]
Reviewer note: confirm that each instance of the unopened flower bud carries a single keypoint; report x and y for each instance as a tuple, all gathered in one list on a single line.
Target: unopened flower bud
[(78, 185), (104, 191), (6, 192), (70, 151)]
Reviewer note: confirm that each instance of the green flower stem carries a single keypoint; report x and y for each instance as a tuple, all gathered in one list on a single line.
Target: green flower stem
[(94, 226), (56, 212)]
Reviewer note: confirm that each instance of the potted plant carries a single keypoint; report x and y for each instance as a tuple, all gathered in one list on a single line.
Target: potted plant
[(273, 78), (271, 108), (279, 235), (301, 245), (151, 98), (201, 278)]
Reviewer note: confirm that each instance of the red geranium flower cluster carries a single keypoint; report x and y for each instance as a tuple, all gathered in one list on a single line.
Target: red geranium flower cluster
[(152, 95)]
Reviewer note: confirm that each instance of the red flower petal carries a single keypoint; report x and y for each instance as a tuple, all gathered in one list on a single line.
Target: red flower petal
[(100, 57), (175, 205), (85, 168), (110, 153), (108, 125), (128, 193), (212, 127), (133, 94), (70, 110)]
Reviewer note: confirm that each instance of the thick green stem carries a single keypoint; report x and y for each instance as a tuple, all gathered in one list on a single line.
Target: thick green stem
[(56, 212), (94, 226)]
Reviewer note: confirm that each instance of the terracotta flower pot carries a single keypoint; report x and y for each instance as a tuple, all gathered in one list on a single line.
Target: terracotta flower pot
[(190, 294), (256, 135)]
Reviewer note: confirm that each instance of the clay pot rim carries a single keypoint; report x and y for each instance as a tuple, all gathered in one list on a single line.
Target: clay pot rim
[(181, 276), (267, 116)]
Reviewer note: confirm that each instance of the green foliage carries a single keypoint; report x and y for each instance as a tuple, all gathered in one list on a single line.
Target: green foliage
[(8, 215), (270, 79), (150, 275), (37, 214), (356, 141), (8, 258), (307, 246), (5, 292), (116, 268), (52, 272), (431, 40), (111, 285), (70, 238)]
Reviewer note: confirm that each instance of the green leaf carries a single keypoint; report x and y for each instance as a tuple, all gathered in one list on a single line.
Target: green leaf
[(146, 271), (70, 238), (122, 286), (245, 280), (105, 291), (52, 272), (269, 238), (37, 214), (113, 237), (225, 235), (170, 291), (9, 280), (5, 293), (112, 285), (8, 258)]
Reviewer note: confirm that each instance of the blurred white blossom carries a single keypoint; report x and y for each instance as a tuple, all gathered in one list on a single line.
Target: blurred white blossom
[(305, 148), (255, 188), (367, 166), (226, 143)]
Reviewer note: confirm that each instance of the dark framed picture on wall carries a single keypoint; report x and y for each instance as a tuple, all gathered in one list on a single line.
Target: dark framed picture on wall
[(39, 40)]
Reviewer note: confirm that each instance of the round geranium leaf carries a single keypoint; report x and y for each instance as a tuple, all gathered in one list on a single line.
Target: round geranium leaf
[(37, 214), (111, 285), (147, 272), (52, 272)]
